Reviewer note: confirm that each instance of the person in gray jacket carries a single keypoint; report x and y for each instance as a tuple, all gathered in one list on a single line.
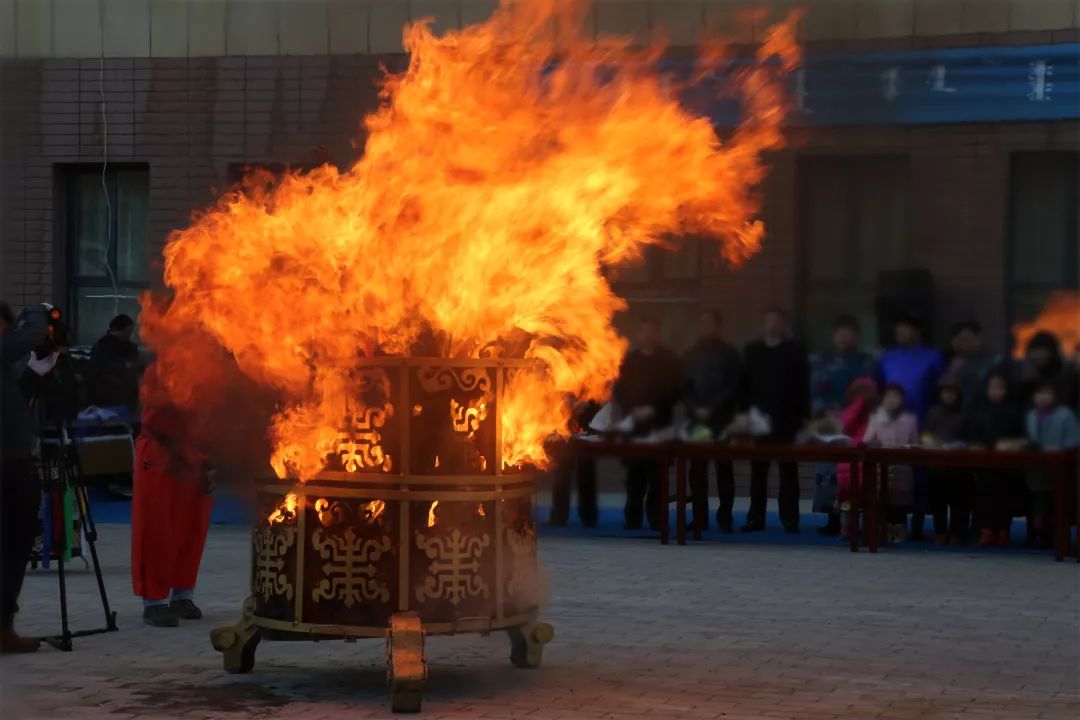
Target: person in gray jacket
[(712, 373), (20, 492)]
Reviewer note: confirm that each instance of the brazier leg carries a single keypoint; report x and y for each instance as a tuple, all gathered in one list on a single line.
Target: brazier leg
[(405, 667), (237, 642), (527, 643)]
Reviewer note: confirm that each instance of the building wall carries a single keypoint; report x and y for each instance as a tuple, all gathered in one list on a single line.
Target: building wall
[(214, 28), (192, 115)]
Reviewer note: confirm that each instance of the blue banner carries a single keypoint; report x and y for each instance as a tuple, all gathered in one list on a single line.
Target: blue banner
[(984, 84)]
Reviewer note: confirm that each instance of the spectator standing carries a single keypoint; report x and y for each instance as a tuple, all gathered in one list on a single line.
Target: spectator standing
[(776, 381), (170, 511), (832, 375), (1043, 363), (566, 466), (649, 386), (915, 368), (1050, 426), (712, 377), (951, 489), (892, 426), (996, 422), (970, 363), (114, 367), (20, 490)]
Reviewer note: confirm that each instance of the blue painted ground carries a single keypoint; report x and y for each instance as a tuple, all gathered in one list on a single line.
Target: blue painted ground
[(228, 510)]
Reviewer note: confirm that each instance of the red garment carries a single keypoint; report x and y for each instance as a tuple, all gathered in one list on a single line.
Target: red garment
[(170, 509), (854, 419)]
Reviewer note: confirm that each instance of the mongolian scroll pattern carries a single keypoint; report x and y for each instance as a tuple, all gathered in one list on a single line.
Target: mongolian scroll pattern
[(454, 572)]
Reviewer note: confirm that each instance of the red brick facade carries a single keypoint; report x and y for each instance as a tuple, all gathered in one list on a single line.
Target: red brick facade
[(189, 120)]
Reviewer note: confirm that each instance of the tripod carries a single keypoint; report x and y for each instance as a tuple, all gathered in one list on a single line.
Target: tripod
[(61, 469)]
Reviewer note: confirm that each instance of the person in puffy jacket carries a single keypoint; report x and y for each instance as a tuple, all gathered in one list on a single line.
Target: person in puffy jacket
[(892, 426)]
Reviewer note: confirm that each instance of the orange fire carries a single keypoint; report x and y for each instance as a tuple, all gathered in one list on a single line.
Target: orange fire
[(432, 518), (285, 512), (509, 166), (1061, 316)]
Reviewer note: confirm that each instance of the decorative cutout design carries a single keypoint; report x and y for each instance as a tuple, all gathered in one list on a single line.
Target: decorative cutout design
[(454, 572), (361, 447), (524, 569), (350, 568), (271, 546), (467, 418), (438, 379)]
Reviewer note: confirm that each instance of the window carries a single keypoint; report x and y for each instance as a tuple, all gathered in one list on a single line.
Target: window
[(854, 224), (1043, 229), (108, 251)]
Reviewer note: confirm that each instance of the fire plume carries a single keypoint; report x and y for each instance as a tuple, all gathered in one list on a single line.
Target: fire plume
[(1060, 316), (509, 167)]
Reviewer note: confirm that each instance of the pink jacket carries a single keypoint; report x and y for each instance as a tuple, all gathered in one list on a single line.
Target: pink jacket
[(891, 432), (854, 420)]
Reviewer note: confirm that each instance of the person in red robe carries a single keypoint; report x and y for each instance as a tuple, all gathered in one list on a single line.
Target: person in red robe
[(170, 510)]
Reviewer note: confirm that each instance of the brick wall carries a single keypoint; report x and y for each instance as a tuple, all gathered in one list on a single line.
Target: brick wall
[(189, 119)]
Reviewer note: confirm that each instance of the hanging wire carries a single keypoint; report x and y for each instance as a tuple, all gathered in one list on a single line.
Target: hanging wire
[(105, 160)]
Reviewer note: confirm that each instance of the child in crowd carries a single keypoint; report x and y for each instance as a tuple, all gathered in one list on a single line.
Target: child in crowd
[(951, 489), (890, 427), (1050, 426), (854, 419), (997, 423)]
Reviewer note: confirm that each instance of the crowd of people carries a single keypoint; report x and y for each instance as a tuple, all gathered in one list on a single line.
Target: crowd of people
[(911, 395)]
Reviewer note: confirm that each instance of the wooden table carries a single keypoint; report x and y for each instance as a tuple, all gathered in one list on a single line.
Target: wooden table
[(874, 462), (1061, 464)]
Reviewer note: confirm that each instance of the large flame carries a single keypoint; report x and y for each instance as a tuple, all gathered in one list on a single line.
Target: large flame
[(1060, 316), (508, 168)]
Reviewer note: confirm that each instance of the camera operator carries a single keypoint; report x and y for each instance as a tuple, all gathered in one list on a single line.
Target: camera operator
[(21, 492)]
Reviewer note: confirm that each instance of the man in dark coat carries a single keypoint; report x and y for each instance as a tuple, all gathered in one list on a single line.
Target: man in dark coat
[(114, 360), (711, 388), (648, 388), (564, 468), (776, 381), (20, 491)]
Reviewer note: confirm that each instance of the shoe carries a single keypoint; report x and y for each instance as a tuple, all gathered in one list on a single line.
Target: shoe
[(829, 530), (958, 540), (941, 539), (556, 522), (631, 526), (727, 526), (1003, 538), (791, 529), (752, 528), (186, 609), (987, 538), (160, 616), (12, 643)]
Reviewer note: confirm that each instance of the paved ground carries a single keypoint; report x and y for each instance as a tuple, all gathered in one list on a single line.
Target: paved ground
[(643, 631)]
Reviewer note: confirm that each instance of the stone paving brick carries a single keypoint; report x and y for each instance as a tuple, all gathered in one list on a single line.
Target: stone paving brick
[(703, 632)]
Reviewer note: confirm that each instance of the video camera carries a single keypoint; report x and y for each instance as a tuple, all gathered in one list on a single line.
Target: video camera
[(48, 383)]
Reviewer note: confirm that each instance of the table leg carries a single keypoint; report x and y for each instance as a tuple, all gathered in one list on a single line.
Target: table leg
[(680, 499), (699, 521), (870, 505), (663, 498), (857, 504), (883, 503), (1072, 470), (1061, 517)]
